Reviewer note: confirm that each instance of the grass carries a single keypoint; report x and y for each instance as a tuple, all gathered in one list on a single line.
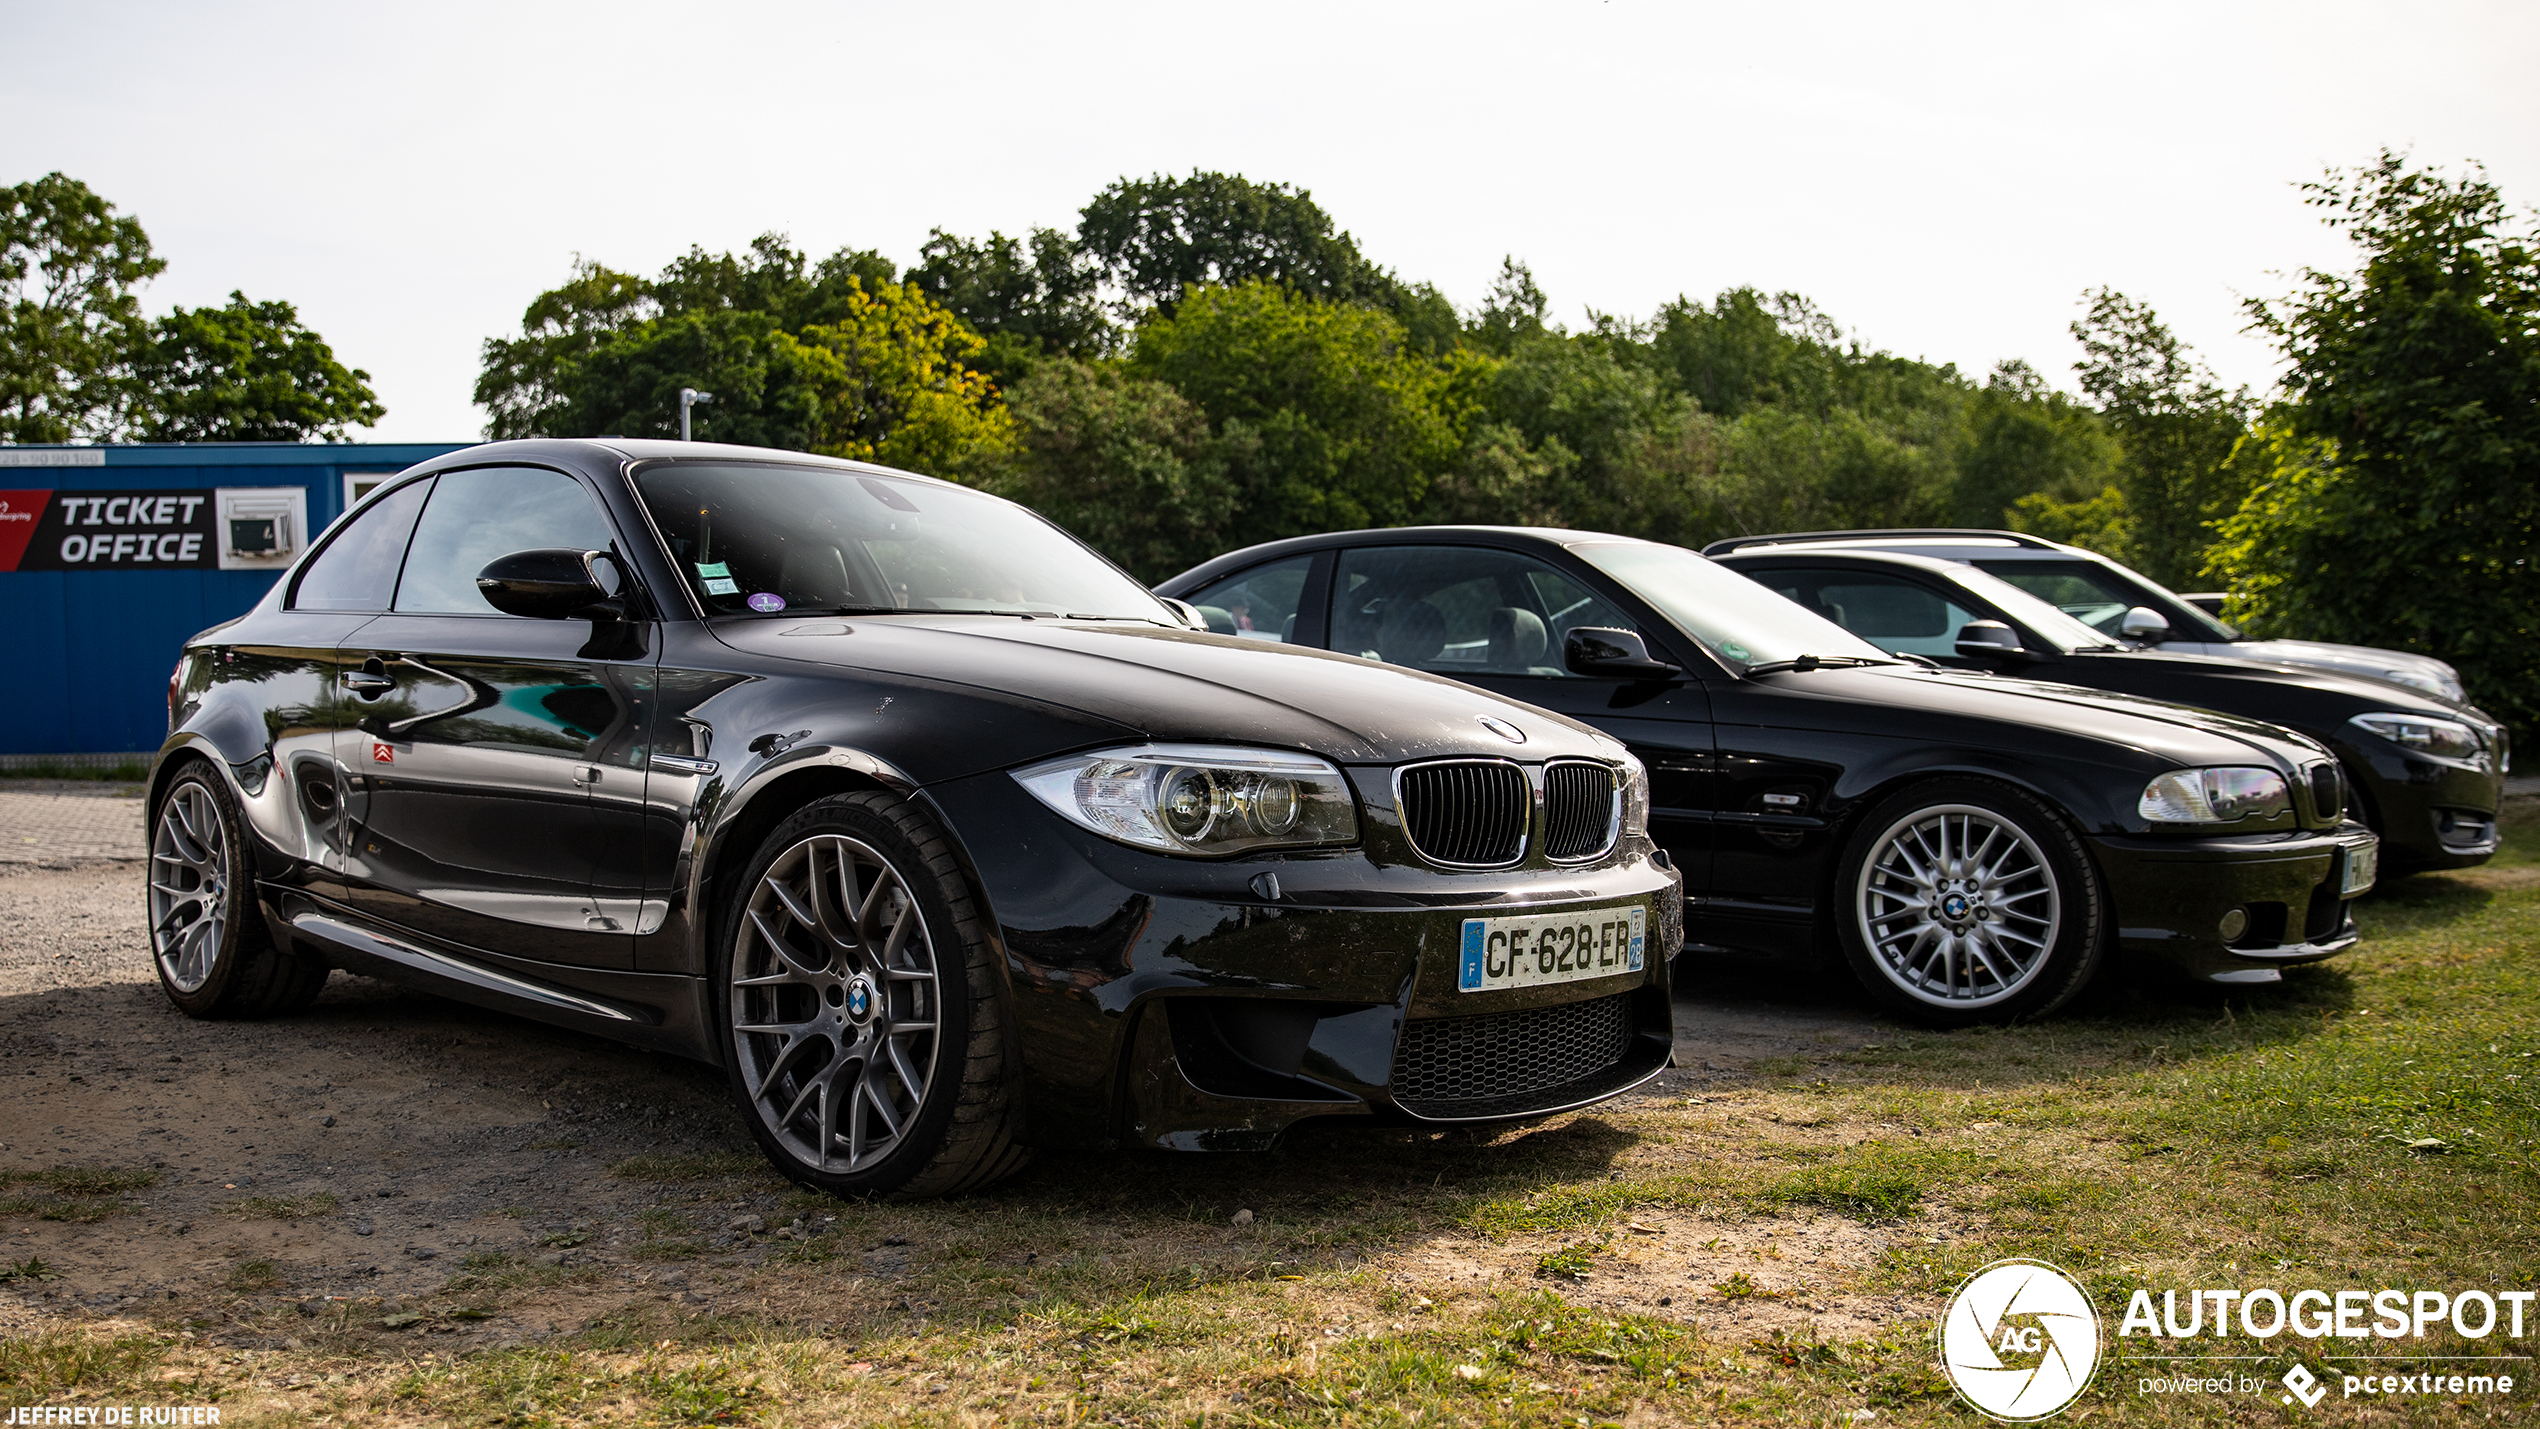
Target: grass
[(2369, 1122), (282, 1208), (71, 1193)]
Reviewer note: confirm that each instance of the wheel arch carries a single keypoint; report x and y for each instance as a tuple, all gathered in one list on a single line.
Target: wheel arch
[(774, 794)]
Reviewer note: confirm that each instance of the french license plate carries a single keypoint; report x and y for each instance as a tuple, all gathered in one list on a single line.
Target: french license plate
[(2363, 864), (1536, 948)]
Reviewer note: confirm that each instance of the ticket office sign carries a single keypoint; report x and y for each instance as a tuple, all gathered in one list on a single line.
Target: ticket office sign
[(154, 530)]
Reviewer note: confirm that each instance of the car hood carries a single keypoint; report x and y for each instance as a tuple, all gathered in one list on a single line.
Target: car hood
[(2422, 673), (2173, 733), (1183, 685)]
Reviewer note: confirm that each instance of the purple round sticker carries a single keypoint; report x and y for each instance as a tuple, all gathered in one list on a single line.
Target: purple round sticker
[(767, 602)]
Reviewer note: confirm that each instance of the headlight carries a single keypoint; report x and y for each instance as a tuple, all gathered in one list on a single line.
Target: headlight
[(2214, 796), (1635, 798), (1201, 799), (2424, 734)]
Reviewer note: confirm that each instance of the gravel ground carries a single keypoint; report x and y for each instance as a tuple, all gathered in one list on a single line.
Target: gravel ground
[(440, 1131)]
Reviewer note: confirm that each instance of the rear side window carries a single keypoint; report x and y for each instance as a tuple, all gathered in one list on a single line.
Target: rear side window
[(477, 515), (358, 568)]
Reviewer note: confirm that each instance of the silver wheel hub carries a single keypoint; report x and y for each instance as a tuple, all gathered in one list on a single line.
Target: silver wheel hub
[(834, 1003), (189, 887), (1957, 906)]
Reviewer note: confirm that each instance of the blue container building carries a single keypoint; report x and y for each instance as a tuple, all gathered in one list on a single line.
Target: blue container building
[(110, 556)]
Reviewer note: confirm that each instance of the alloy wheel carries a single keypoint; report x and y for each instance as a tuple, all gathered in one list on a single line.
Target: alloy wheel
[(189, 887), (835, 1002), (1958, 906)]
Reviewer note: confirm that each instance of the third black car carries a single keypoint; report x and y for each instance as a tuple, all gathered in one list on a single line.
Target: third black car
[(2427, 771)]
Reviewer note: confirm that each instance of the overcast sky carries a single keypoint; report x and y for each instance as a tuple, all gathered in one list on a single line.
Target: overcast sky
[(1944, 179)]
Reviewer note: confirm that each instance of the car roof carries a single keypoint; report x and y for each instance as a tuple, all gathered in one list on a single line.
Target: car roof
[(1244, 557), (612, 452), (1932, 561), (1949, 543)]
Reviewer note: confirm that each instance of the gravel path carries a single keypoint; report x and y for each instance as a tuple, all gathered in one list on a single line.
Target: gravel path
[(56, 824)]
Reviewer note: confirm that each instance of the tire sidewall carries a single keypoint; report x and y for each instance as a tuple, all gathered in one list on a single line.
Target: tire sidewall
[(855, 818), (238, 914), (2079, 940)]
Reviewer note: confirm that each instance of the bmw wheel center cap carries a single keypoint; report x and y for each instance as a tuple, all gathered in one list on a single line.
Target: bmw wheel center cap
[(859, 999)]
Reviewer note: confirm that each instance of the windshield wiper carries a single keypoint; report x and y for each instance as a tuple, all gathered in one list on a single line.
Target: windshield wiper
[(1806, 663)]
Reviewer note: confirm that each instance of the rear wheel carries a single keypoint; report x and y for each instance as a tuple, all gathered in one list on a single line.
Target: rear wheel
[(1968, 901), (866, 1038), (215, 956)]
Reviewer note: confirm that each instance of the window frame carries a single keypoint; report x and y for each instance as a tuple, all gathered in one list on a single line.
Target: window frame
[(639, 605), (326, 542)]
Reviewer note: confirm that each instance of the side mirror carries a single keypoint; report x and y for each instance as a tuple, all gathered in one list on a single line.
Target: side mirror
[(1189, 613), (547, 585), (1989, 640), (1593, 650), (2145, 624)]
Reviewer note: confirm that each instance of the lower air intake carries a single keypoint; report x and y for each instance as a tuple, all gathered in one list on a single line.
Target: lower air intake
[(1508, 1063)]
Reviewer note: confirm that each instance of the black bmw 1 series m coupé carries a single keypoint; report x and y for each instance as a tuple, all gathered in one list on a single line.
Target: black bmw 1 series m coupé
[(934, 829)]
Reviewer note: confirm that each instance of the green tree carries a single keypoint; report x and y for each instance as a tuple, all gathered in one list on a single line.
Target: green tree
[(1026, 304), (837, 357), (2018, 440), (2175, 426), (2397, 497), (1330, 421), (1125, 463), (68, 317), (1156, 236), (247, 372)]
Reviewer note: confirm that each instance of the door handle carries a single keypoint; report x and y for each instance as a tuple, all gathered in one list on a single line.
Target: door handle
[(369, 684), (586, 774)]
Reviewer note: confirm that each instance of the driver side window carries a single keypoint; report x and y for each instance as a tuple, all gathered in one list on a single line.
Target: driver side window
[(1460, 610), (477, 515)]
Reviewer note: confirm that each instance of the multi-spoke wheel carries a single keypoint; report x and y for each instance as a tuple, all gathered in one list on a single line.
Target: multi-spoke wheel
[(215, 956), (1969, 902), (865, 1033)]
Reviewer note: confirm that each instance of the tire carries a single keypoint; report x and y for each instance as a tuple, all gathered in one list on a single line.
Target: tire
[(215, 955), (865, 1037), (1964, 901)]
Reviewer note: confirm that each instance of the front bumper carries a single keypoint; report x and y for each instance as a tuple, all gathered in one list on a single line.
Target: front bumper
[(1173, 1003), (2171, 896), (2432, 813)]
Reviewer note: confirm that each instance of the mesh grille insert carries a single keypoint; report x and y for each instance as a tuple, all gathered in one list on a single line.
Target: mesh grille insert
[(1506, 1062), (1469, 813), (1579, 809)]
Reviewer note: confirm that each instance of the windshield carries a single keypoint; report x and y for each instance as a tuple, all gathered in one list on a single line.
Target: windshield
[(1738, 619), (769, 539), (2099, 596), (2065, 632)]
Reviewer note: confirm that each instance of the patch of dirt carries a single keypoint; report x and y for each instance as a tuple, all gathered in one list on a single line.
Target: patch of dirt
[(315, 1173)]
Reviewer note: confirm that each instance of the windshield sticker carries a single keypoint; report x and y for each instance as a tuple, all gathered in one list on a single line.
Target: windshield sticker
[(1734, 650), (722, 585), (714, 570), (767, 602)]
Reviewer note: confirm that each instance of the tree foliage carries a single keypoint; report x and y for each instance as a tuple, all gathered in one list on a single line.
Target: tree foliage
[(1026, 305), (1126, 463), (1157, 236), (247, 372), (837, 357), (68, 266), (2397, 484)]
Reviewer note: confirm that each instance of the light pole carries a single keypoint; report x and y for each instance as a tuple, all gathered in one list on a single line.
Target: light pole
[(689, 397)]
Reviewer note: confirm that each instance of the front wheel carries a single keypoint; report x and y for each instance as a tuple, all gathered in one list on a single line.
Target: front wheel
[(1966, 901), (215, 956), (866, 1038)]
